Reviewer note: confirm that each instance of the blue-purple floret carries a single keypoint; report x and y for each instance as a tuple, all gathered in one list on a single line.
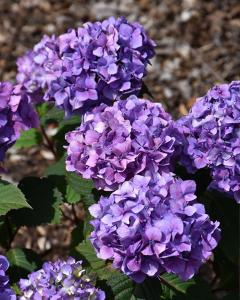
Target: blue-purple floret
[(16, 114), (212, 131), (98, 62), (6, 293), (115, 143), (61, 280), (38, 67), (151, 225)]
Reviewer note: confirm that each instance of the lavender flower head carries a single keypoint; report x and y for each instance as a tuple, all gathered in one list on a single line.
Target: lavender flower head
[(37, 68), (6, 293), (63, 280), (99, 62), (16, 115), (212, 131), (152, 225), (115, 143)]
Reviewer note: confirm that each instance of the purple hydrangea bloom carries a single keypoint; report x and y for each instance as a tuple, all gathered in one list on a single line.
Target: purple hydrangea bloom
[(98, 62), (152, 225), (16, 114), (115, 143), (63, 280), (37, 68), (6, 293), (212, 131)]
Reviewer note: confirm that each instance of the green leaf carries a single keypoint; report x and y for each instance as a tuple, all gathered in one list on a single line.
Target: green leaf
[(82, 187), (87, 228), (232, 296), (11, 198), (42, 109), (45, 200), (74, 121), (29, 138), (150, 289), (81, 233), (198, 291), (54, 114), (16, 289), (65, 126), (226, 270), (59, 182), (122, 286), (78, 189), (77, 235), (175, 283), (4, 234), (98, 266), (225, 210), (167, 293), (72, 196), (175, 289), (59, 168), (22, 261)]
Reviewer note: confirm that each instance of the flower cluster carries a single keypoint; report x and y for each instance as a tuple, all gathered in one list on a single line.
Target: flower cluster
[(115, 143), (63, 280), (16, 114), (37, 68), (99, 62), (151, 225), (6, 293), (212, 131)]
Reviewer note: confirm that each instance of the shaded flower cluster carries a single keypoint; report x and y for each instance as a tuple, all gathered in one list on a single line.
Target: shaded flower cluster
[(63, 280), (212, 131), (6, 293), (16, 114), (151, 225), (99, 62), (115, 143)]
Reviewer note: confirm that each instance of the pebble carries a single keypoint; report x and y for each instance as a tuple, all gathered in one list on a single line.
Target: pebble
[(47, 154)]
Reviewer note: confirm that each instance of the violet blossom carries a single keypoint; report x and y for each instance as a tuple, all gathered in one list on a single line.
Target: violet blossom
[(115, 143), (16, 114), (212, 131), (6, 293), (63, 280), (152, 225), (98, 62), (38, 67)]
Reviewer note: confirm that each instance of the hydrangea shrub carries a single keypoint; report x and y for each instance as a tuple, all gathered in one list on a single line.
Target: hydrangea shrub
[(157, 195)]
